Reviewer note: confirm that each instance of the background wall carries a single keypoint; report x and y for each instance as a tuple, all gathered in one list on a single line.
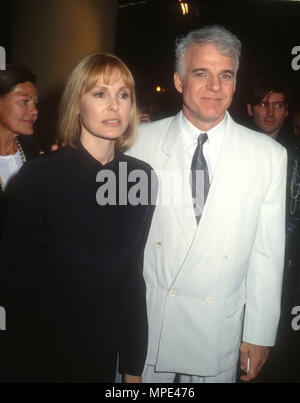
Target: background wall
[(50, 37), (146, 32)]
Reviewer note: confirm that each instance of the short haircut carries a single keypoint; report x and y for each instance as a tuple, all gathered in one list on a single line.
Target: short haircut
[(85, 77), (12, 76), (224, 41), (265, 85)]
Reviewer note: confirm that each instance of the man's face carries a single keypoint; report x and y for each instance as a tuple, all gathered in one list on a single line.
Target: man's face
[(207, 86), (270, 113)]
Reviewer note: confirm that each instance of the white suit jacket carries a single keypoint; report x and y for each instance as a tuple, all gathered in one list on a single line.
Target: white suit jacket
[(206, 289)]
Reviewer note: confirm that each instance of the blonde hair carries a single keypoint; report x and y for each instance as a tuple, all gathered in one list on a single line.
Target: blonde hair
[(85, 77)]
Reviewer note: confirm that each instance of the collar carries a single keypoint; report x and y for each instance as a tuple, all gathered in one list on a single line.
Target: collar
[(83, 153), (191, 132)]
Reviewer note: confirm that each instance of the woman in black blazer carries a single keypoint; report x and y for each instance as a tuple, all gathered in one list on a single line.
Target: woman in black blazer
[(77, 224)]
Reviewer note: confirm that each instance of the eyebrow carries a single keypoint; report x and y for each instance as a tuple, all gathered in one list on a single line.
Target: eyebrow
[(228, 71), (273, 102), (104, 86), (23, 94)]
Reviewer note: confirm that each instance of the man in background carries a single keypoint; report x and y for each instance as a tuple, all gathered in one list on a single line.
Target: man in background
[(268, 105)]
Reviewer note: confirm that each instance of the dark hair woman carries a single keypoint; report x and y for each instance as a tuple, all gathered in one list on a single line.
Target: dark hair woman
[(18, 112)]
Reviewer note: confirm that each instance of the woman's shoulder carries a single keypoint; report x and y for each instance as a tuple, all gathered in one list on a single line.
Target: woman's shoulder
[(44, 166), (135, 163), (50, 159)]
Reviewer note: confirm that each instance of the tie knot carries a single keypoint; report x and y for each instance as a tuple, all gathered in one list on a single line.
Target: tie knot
[(202, 139)]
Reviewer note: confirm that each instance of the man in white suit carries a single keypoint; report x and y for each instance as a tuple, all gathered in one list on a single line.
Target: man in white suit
[(214, 284)]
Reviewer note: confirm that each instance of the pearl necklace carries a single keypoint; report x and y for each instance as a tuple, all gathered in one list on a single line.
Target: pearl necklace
[(23, 159), (294, 189)]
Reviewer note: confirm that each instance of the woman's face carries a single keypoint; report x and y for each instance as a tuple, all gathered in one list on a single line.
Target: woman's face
[(105, 110), (18, 109)]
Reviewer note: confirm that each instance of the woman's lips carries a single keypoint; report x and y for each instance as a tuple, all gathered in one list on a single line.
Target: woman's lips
[(112, 122)]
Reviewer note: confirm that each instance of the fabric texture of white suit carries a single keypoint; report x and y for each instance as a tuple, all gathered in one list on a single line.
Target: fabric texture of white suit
[(210, 286)]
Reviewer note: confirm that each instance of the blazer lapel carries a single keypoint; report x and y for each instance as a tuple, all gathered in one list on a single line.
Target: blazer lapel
[(175, 182), (218, 200)]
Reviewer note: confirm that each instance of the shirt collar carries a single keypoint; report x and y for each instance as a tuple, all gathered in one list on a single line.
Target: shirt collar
[(191, 132)]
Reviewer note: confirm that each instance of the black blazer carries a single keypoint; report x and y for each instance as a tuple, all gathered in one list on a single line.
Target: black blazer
[(30, 151), (74, 289)]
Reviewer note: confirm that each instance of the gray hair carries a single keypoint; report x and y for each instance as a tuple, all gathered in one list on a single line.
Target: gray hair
[(225, 42)]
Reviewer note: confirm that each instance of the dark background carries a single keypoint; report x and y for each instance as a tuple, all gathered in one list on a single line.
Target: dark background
[(146, 31), (268, 30)]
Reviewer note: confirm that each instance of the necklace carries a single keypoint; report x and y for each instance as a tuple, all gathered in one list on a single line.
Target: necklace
[(294, 189), (23, 159)]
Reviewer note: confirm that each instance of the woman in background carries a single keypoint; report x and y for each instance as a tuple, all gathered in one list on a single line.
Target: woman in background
[(18, 113), (75, 290)]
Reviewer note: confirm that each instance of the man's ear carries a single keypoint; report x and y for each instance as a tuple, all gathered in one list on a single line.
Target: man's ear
[(287, 111), (249, 110), (178, 82)]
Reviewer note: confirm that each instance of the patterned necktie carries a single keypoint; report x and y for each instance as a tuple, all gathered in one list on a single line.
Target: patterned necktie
[(199, 178)]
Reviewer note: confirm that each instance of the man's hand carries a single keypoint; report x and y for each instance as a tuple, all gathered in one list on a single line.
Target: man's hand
[(132, 379), (257, 355)]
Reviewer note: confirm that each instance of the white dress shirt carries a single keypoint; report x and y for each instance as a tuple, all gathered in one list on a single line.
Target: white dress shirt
[(211, 147), (9, 166)]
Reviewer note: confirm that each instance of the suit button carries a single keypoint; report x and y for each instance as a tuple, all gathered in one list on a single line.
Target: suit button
[(158, 244), (172, 293), (225, 256), (209, 300)]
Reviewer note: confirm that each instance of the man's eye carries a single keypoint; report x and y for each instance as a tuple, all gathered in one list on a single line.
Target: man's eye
[(263, 104), (200, 74), (279, 105), (227, 76), (25, 101)]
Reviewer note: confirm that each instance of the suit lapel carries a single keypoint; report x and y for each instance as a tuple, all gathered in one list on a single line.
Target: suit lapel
[(178, 187), (218, 202)]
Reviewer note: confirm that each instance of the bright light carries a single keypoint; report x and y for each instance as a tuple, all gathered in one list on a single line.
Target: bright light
[(184, 7), (160, 89)]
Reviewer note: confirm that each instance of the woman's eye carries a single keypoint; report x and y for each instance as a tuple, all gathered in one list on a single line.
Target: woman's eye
[(125, 95), (99, 94)]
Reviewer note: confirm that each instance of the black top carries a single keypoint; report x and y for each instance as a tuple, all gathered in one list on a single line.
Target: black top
[(30, 150), (75, 287)]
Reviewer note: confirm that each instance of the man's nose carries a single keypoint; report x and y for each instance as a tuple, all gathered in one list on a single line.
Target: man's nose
[(270, 109), (213, 83)]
